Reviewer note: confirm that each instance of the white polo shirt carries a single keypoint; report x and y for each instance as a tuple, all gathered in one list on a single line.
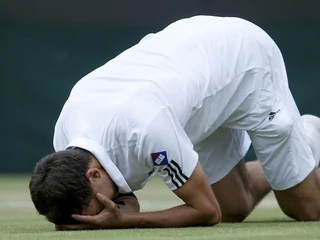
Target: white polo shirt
[(142, 112)]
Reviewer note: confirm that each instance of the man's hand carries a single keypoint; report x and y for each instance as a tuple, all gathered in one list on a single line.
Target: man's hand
[(110, 217), (125, 203)]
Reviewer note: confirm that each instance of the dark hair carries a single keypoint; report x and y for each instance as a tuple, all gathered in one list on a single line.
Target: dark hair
[(59, 186)]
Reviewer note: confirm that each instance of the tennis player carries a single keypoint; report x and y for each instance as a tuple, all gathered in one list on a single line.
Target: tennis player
[(184, 104)]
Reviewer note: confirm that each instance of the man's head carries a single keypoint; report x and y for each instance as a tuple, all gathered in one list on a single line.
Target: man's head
[(65, 182)]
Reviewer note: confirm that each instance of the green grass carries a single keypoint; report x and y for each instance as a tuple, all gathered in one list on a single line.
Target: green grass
[(19, 220)]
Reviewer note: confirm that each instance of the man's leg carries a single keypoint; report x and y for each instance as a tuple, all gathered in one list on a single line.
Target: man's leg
[(302, 201), (241, 190), (290, 164), (244, 187), (238, 186), (281, 142)]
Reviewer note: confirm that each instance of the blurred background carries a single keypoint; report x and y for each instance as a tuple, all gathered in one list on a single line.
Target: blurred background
[(47, 46)]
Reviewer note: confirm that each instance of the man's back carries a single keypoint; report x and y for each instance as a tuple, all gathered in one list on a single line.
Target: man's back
[(181, 75), (189, 61)]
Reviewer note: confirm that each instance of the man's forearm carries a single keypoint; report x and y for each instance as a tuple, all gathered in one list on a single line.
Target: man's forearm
[(180, 216), (200, 209)]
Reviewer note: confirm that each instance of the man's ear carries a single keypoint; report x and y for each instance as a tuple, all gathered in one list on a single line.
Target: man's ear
[(93, 174)]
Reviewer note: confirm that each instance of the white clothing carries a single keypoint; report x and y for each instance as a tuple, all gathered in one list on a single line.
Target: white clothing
[(158, 106)]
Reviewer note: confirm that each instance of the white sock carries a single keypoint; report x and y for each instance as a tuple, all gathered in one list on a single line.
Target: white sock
[(312, 129)]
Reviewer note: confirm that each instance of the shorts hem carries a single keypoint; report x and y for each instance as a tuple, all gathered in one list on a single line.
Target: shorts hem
[(293, 182)]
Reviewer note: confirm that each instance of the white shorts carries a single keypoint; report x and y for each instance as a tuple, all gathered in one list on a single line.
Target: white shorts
[(274, 125), (221, 152)]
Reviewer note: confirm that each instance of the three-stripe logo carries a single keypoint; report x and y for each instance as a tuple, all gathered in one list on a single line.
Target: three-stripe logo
[(176, 174)]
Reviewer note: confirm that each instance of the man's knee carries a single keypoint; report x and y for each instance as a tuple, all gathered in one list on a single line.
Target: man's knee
[(237, 214), (307, 212), (302, 202), (308, 215)]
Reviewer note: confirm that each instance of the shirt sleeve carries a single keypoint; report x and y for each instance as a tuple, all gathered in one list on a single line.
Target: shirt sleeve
[(59, 139), (166, 147)]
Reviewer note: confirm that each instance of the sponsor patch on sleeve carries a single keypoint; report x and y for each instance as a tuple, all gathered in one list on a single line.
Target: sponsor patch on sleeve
[(159, 158)]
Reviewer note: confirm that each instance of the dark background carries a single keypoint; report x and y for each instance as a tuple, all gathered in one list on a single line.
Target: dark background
[(46, 46)]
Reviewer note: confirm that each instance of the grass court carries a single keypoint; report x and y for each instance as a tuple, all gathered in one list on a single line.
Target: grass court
[(19, 220)]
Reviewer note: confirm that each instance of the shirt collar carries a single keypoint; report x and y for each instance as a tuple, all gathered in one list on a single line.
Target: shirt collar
[(101, 154)]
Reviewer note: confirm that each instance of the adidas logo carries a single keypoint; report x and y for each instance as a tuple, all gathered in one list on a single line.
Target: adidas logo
[(159, 159), (273, 114)]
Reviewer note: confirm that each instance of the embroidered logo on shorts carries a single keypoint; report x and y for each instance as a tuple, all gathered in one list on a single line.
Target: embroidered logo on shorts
[(273, 114), (159, 158)]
